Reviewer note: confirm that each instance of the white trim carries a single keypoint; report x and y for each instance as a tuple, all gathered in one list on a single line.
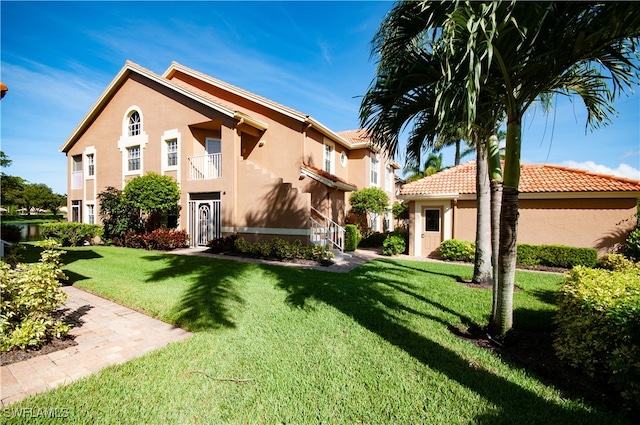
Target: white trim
[(273, 231), (332, 156)]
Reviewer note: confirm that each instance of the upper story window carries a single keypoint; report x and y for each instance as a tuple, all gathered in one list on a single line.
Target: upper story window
[(91, 165), (328, 158), (76, 172), (389, 179), (172, 153), (133, 156), (375, 166), (135, 124)]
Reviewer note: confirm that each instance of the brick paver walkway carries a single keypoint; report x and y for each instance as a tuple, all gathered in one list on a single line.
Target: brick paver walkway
[(107, 334)]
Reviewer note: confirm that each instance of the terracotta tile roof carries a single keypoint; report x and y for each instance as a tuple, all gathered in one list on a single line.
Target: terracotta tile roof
[(533, 179), (354, 136), (332, 177)]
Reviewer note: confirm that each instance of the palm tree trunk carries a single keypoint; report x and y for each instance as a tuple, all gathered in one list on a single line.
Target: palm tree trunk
[(502, 321), (457, 158), (482, 264), (495, 175)]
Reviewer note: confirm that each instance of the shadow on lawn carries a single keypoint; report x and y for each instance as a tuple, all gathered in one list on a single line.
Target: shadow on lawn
[(370, 295), (212, 296)]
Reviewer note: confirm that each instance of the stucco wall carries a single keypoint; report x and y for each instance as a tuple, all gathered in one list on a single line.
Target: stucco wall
[(592, 223)]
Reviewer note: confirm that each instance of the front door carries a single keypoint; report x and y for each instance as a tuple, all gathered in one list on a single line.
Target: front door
[(204, 221), (431, 230)]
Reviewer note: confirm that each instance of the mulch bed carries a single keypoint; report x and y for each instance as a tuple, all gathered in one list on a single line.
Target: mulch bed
[(17, 355)]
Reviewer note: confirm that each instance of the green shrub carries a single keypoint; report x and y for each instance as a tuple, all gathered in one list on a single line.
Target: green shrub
[(71, 234), (556, 256), (352, 237), (224, 244), (29, 294), (393, 245), (375, 240), (159, 239), (632, 245), (616, 262), (457, 250), (599, 326), (282, 250), (403, 232)]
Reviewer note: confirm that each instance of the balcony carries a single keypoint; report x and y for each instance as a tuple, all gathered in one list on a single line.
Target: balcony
[(205, 167)]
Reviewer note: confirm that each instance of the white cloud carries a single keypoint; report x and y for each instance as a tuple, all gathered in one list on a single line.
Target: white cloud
[(623, 170)]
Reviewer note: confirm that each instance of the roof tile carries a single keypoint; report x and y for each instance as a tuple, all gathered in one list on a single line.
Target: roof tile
[(533, 179)]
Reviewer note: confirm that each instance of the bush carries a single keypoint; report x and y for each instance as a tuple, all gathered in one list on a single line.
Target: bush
[(281, 250), (393, 245), (352, 237), (616, 262), (632, 245), (159, 239), (599, 326), (224, 244), (556, 256), (71, 234), (403, 232), (29, 295), (457, 250), (375, 240)]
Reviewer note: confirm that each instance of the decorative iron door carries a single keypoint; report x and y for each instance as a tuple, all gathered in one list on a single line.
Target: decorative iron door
[(204, 220)]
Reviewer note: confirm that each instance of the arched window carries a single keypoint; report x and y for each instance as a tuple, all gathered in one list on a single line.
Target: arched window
[(135, 124)]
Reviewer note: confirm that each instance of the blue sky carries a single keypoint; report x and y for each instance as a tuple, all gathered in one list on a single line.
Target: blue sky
[(58, 57)]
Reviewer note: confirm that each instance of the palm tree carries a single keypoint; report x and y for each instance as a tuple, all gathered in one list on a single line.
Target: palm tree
[(509, 54)]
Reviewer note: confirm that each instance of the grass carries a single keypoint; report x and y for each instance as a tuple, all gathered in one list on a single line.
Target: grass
[(370, 346)]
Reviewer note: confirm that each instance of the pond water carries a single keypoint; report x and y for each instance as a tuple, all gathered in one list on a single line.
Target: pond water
[(29, 232)]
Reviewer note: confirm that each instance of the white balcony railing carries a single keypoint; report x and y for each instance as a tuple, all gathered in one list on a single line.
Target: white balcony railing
[(205, 167)]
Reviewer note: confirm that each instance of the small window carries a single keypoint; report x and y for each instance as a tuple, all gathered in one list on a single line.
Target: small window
[(91, 214), (135, 125), (374, 171), (343, 159), (76, 172), (328, 158), (432, 220), (134, 158), (76, 211), (172, 153), (91, 166)]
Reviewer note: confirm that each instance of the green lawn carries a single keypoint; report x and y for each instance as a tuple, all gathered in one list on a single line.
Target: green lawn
[(371, 346)]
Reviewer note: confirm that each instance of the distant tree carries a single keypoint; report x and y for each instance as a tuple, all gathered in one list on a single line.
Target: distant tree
[(370, 201), (4, 160), (154, 196), (39, 195)]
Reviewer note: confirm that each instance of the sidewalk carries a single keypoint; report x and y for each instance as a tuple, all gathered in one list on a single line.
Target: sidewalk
[(108, 334)]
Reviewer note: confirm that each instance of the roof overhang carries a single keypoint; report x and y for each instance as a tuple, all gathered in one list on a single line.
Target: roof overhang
[(428, 196), (117, 82), (337, 184)]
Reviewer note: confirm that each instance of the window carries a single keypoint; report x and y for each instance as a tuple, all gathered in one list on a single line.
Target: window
[(91, 214), (76, 172), (432, 220), (133, 154), (374, 171), (135, 125), (389, 180), (76, 211), (91, 165), (328, 158), (172, 153), (343, 159)]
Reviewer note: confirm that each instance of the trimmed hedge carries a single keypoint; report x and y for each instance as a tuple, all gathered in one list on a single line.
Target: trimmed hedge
[(159, 239), (352, 237), (281, 250), (556, 256), (528, 255), (71, 233), (599, 326), (457, 250)]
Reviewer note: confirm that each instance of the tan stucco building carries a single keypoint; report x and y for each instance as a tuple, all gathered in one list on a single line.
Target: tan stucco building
[(557, 205), (244, 164)]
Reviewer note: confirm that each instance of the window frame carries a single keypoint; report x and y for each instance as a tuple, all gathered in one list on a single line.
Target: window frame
[(134, 127), (172, 152), (328, 157), (91, 165), (134, 159), (374, 166)]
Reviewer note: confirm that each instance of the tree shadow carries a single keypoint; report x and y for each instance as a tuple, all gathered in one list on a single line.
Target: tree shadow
[(371, 296), (615, 239), (212, 298)]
